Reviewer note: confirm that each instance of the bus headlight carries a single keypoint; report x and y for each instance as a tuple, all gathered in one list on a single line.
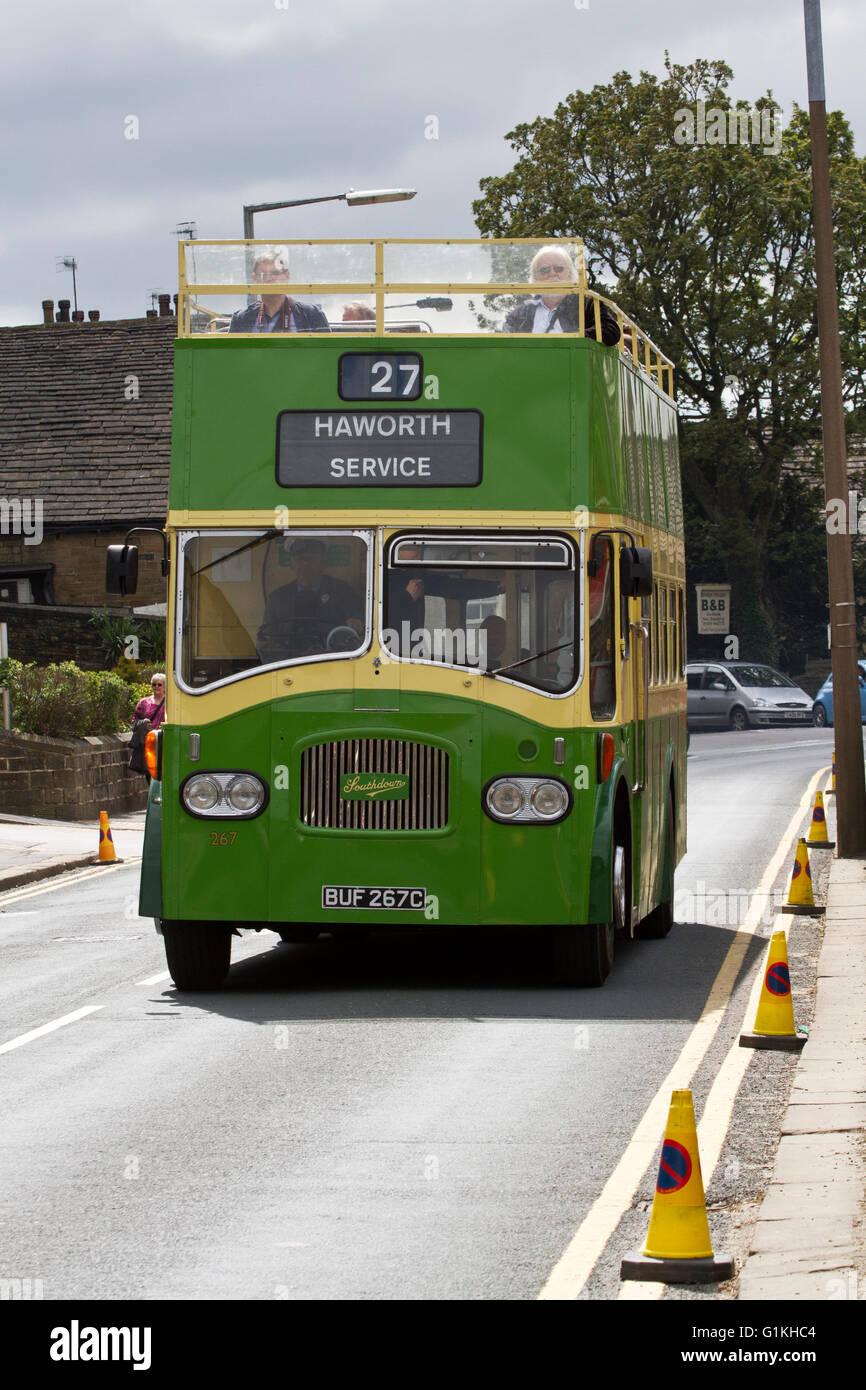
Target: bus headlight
[(527, 800), (549, 800), (245, 794), (201, 794), (224, 795), (506, 799)]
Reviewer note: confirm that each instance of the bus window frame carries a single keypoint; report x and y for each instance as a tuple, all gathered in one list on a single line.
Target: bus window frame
[(574, 546), (183, 537)]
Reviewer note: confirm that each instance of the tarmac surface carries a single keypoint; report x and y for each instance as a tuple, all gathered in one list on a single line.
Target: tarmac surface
[(809, 1242)]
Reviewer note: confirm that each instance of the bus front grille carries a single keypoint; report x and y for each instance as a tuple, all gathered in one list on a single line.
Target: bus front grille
[(324, 766)]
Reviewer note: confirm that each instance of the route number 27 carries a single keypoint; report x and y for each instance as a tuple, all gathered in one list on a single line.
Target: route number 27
[(382, 383)]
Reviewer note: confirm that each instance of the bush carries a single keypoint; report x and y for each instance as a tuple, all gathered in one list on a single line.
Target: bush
[(115, 631), (65, 702)]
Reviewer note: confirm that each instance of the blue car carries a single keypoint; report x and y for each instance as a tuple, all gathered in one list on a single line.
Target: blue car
[(822, 710)]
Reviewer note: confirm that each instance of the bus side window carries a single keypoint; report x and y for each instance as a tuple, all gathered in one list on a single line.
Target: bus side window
[(681, 624), (601, 615), (646, 617), (663, 633)]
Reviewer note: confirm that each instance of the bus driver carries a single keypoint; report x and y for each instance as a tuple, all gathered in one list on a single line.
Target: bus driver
[(299, 616)]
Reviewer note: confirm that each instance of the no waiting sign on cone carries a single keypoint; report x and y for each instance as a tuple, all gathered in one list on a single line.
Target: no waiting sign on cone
[(774, 1020), (678, 1248)]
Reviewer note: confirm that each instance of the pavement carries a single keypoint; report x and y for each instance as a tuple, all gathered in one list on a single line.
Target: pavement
[(809, 1241), (32, 849)]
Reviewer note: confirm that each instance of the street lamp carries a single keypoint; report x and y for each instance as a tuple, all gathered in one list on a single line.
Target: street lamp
[(352, 198)]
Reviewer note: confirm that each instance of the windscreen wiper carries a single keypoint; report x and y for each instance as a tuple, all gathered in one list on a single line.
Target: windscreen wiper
[(267, 536), (524, 659)]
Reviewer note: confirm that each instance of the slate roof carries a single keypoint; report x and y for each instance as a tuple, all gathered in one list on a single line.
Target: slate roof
[(67, 432)]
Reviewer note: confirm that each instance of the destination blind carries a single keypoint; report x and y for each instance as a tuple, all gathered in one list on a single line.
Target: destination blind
[(379, 448)]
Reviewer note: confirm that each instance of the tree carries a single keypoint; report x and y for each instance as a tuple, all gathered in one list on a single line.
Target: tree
[(711, 250)]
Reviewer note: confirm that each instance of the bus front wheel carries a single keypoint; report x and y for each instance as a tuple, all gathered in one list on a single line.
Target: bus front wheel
[(198, 953), (584, 955)]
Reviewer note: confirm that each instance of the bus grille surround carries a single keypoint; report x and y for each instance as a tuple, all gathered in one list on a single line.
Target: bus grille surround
[(324, 765)]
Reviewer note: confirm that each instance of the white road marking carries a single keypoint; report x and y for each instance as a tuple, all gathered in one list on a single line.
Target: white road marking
[(50, 1027), (63, 881), (577, 1262), (155, 979)]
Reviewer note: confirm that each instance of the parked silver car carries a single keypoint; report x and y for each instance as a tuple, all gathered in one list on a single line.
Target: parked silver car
[(740, 694)]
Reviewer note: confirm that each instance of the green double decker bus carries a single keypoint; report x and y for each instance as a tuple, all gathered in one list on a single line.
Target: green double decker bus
[(426, 616)]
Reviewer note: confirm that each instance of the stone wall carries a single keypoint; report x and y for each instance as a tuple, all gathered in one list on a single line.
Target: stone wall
[(48, 634), (68, 779)]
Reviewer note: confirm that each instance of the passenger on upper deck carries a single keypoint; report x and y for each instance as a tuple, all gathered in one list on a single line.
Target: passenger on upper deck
[(558, 313), (277, 313), (358, 312)]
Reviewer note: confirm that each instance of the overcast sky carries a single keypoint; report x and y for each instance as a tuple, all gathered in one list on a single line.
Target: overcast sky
[(243, 101)]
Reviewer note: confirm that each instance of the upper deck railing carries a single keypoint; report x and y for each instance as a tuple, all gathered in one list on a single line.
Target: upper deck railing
[(462, 288)]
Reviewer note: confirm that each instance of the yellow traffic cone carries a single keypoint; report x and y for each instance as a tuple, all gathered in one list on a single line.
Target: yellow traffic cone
[(817, 837), (831, 790), (678, 1249), (800, 897), (774, 1020), (107, 852)]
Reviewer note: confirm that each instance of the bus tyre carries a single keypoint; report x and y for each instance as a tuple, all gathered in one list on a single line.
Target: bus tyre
[(584, 955), (661, 919), (198, 953)]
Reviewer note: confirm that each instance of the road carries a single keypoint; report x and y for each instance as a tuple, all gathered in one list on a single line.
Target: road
[(427, 1118)]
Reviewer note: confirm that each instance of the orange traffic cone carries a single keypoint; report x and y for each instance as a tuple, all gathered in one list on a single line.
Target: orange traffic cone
[(774, 1020), (107, 852), (817, 837), (800, 897), (678, 1249)]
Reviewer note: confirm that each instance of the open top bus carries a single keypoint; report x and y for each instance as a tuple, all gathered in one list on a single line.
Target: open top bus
[(426, 637)]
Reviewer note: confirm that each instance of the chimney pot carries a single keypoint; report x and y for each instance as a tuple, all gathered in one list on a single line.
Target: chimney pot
[(78, 316), (48, 311), (93, 315), (164, 306), (151, 314), (63, 310)]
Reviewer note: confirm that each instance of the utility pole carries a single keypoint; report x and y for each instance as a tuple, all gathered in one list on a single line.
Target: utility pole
[(850, 773)]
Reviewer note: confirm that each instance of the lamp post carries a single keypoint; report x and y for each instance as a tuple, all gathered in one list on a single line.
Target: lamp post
[(353, 198), (850, 790)]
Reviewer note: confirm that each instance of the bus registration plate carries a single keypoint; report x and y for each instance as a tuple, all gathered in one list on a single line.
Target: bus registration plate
[(367, 899)]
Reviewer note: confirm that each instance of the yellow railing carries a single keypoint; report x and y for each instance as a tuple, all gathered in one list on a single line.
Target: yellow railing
[(234, 261)]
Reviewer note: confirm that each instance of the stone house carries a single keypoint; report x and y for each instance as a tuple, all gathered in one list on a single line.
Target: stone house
[(85, 440)]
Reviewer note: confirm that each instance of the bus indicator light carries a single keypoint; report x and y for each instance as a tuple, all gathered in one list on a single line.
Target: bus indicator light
[(606, 751)]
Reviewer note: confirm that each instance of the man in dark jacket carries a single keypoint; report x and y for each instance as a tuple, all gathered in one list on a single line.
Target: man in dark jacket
[(300, 616), (277, 313), (558, 313)]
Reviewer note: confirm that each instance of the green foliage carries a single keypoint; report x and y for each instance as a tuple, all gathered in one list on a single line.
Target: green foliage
[(115, 630), (711, 250), (65, 702)]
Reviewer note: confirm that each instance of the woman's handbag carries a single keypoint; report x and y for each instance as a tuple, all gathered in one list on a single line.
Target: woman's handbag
[(140, 730)]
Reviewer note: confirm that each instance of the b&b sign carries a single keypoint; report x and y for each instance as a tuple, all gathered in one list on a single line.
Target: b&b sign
[(714, 608)]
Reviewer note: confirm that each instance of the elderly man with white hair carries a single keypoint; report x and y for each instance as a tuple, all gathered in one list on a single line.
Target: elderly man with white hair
[(553, 311)]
